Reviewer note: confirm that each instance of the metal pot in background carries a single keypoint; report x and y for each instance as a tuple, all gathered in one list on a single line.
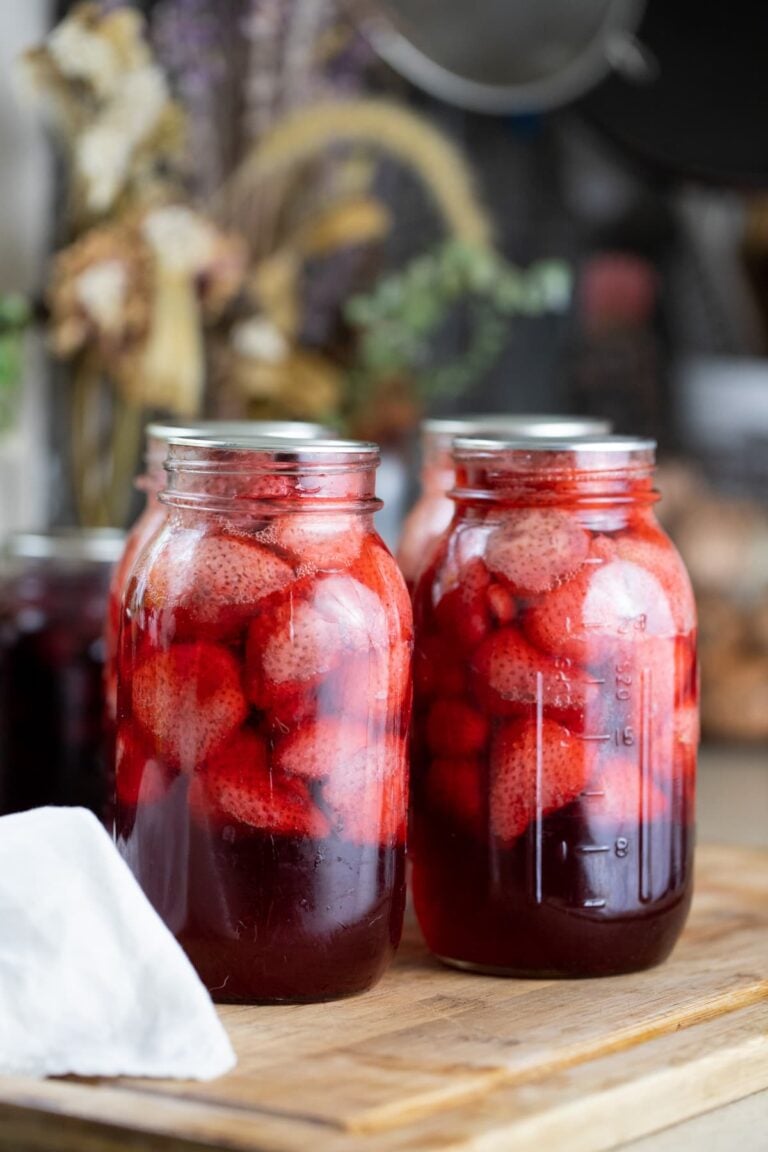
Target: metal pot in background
[(506, 56)]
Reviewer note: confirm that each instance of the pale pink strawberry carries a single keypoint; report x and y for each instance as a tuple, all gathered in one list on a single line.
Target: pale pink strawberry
[(605, 602), (367, 795), (331, 745), (236, 784), (511, 676), (455, 730), (536, 549), (320, 541), (214, 579), (189, 701), (534, 768), (654, 553), (374, 686), (617, 796), (303, 639)]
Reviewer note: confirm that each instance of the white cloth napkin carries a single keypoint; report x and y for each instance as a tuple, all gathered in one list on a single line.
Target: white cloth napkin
[(91, 980)]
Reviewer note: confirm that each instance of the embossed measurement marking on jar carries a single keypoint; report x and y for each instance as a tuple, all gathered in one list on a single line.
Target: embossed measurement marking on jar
[(625, 684)]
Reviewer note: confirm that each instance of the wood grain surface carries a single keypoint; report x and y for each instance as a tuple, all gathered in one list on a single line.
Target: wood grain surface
[(435, 1059)]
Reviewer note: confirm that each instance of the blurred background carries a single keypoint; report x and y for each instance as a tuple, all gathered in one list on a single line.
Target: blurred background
[(363, 212)]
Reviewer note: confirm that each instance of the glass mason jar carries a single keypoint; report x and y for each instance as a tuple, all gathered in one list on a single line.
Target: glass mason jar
[(152, 516), (433, 511), (264, 686), (53, 597), (555, 716)]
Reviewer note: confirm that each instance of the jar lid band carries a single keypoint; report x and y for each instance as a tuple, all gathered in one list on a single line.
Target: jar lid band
[(292, 429), (514, 425)]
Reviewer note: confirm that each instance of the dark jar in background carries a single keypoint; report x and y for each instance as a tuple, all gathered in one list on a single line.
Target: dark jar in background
[(53, 599), (555, 716), (264, 692)]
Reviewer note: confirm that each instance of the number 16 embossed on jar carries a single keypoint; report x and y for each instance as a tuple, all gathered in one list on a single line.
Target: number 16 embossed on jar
[(556, 720), (263, 706)]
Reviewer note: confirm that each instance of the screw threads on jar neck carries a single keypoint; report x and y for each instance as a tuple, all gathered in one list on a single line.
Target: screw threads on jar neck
[(594, 470), (438, 436), (278, 475)]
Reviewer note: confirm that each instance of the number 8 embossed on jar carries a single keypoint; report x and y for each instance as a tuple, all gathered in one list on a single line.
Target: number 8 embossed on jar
[(263, 707), (556, 715)]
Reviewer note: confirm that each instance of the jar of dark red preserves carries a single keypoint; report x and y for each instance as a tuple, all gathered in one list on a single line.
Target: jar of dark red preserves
[(264, 683), (556, 720)]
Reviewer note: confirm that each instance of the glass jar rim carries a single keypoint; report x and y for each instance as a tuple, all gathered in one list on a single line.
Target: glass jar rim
[(517, 425), (100, 545)]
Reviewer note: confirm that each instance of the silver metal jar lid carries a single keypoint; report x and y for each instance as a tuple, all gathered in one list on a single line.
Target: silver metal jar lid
[(471, 445), (98, 545), (515, 425), (292, 429)]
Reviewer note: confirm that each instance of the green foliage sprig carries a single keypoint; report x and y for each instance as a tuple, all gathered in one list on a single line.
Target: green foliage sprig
[(400, 322), (14, 317)]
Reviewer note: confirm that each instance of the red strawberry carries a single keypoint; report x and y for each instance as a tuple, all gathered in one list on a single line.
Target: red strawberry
[(455, 730), (509, 674), (236, 784), (189, 701), (436, 669), (302, 640), (139, 778), (536, 549), (455, 788), (216, 580), (529, 766), (463, 613), (367, 797), (501, 603), (320, 541), (606, 601)]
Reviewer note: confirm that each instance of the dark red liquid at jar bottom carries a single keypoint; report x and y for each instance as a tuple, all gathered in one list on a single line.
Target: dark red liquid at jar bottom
[(495, 922), (310, 919)]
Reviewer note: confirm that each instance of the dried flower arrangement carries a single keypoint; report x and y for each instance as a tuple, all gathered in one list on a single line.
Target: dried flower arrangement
[(197, 237)]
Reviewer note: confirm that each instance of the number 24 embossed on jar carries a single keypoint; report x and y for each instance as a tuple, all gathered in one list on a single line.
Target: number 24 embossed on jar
[(556, 719), (263, 707)]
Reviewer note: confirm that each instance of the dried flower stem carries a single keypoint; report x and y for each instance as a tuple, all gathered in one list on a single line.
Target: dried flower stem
[(382, 125)]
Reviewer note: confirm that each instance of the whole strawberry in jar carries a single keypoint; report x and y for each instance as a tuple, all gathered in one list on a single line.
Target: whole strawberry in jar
[(555, 715), (433, 511), (153, 515), (264, 684)]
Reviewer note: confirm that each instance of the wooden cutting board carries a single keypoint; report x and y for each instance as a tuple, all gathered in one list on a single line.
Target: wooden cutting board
[(436, 1059)]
